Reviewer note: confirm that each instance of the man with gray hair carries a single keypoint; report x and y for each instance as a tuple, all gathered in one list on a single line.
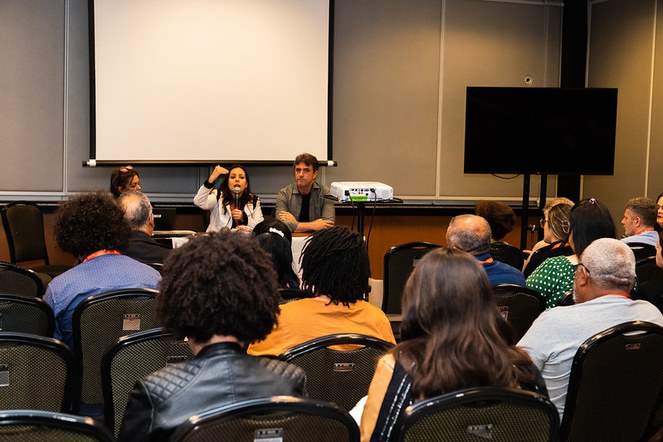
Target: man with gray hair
[(138, 213), (472, 234), (602, 282), (639, 221)]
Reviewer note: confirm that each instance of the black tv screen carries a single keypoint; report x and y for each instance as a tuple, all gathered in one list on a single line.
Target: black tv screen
[(540, 130)]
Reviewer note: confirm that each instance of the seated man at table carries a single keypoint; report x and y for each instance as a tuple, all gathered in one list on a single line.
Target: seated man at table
[(92, 228), (302, 206), (138, 213), (335, 269)]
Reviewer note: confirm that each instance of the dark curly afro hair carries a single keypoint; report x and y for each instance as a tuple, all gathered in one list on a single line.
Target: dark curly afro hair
[(91, 222), (219, 284), (335, 263)]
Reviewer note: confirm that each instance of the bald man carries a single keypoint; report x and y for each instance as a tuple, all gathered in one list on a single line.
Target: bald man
[(472, 234)]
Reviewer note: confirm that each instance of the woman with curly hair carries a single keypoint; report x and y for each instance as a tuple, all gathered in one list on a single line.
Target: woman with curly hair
[(124, 179), (92, 228), (233, 205), (450, 341), (219, 291), (335, 272)]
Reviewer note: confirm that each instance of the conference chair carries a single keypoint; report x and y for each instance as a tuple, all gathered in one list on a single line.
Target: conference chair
[(24, 227), (642, 250), (37, 373), (98, 322), (131, 358), (16, 280), (508, 254), (337, 376), (520, 306), (46, 426), (277, 418), (615, 384), (399, 261), (484, 413), (650, 281), (26, 315)]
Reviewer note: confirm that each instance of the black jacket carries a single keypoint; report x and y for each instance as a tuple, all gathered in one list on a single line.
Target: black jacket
[(142, 247), (221, 373)]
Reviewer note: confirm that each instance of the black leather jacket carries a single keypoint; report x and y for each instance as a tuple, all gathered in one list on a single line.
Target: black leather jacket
[(221, 373)]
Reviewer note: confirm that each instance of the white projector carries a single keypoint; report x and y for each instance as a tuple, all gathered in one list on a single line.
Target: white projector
[(367, 191)]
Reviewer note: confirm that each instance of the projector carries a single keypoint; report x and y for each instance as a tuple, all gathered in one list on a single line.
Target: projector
[(367, 191)]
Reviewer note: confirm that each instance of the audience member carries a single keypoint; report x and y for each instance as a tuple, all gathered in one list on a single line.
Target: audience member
[(500, 217), (471, 234), (556, 224), (451, 340), (271, 225), (141, 246), (639, 223), (549, 204), (219, 291), (659, 212), (602, 282), (92, 227), (302, 206), (335, 269), (124, 179), (280, 251), (233, 205), (589, 220)]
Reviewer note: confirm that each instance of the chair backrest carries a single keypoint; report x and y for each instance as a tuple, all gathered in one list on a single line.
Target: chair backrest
[(508, 254), (642, 250), (271, 419), (16, 280), (37, 373), (520, 306), (650, 281), (615, 384), (130, 359), (99, 321), (341, 377), (26, 315), (486, 413), (24, 227), (42, 426), (399, 261)]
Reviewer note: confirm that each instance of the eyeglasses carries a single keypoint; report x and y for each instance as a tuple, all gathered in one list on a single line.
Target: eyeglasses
[(583, 266), (542, 222)]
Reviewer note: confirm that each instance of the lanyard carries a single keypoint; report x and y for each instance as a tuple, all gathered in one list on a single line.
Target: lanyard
[(487, 261), (100, 253)]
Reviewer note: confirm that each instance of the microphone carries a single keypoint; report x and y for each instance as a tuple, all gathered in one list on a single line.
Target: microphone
[(236, 191)]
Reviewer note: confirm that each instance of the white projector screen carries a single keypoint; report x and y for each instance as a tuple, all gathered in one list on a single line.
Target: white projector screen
[(195, 81)]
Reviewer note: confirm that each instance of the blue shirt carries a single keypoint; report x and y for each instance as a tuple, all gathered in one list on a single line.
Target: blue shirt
[(98, 275), (500, 273)]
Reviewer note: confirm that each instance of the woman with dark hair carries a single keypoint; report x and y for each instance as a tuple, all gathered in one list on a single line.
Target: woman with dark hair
[(659, 212), (589, 220), (124, 179), (220, 292), (500, 217), (335, 272), (275, 244), (233, 205), (450, 341), (555, 224)]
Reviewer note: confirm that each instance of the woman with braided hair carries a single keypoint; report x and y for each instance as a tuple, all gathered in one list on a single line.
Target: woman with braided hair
[(335, 271)]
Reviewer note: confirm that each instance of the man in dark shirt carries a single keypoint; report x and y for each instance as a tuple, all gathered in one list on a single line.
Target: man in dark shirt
[(138, 213)]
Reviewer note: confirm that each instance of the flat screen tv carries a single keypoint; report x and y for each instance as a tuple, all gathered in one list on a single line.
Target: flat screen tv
[(540, 130)]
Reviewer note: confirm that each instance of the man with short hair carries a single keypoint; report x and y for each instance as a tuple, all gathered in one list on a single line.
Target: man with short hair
[(472, 234), (639, 221), (302, 206), (601, 285), (138, 213)]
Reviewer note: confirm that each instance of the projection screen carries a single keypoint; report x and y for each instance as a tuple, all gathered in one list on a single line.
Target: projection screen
[(194, 81)]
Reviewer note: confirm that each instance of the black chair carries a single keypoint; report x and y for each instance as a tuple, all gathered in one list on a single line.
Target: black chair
[(337, 376), (130, 359), (399, 261), (279, 418), (520, 306), (642, 250), (26, 315), (24, 227), (43, 426), (650, 281), (37, 373), (486, 413), (98, 322), (615, 384), (16, 280), (508, 254)]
